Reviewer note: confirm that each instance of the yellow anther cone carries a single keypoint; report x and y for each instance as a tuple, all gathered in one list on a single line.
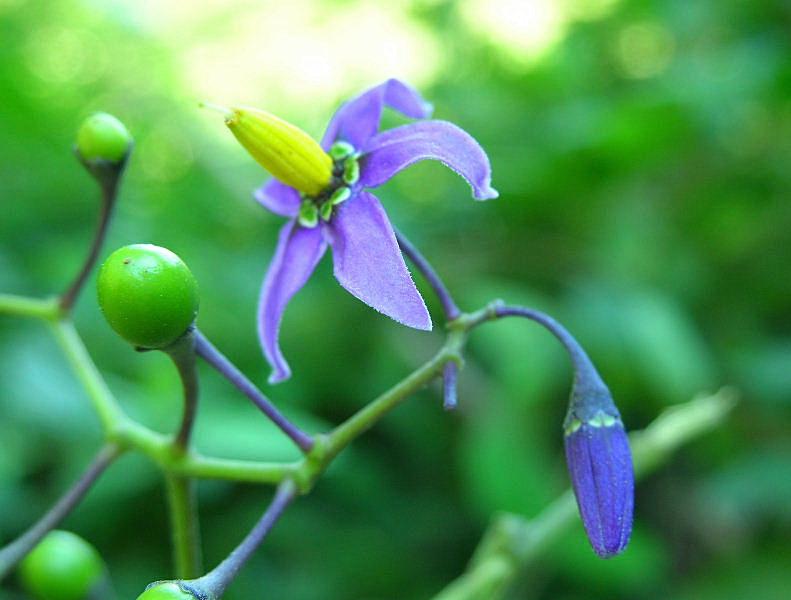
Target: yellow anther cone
[(283, 149)]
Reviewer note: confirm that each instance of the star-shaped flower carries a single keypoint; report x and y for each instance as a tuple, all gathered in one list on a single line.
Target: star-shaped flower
[(327, 203)]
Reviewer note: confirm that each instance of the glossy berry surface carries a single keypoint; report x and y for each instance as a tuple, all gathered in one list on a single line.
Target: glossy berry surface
[(148, 295), (103, 137), (62, 567), (165, 591)]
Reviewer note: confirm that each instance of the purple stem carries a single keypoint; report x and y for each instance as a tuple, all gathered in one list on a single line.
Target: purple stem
[(448, 305), (449, 377), (217, 580), (216, 359), (19, 548), (584, 371)]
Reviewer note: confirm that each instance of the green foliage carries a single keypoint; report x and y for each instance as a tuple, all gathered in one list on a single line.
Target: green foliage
[(644, 202)]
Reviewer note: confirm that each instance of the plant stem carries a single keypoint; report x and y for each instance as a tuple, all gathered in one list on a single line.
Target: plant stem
[(14, 552), (449, 306), (512, 542), (109, 187), (110, 414), (214, 583), (22, 306), (182, 353), (184, 525), (206, 350)]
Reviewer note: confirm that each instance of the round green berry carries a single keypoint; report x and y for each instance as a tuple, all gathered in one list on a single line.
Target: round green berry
[(165, 591), (148, 295), (62, 567), (103, 137)]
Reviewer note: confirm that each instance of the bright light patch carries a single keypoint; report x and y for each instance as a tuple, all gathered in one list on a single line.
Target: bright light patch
[(525, 29)]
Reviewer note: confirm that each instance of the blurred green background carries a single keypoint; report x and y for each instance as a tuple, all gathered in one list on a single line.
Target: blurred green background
[(642, 150)]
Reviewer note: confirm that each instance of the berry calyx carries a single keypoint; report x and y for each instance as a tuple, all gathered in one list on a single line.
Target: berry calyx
[(62, 567), (148, 295)]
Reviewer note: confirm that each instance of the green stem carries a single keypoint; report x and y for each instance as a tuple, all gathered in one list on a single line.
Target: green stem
[(182, 353), (512, 542), (110, 414), (22, 306), (366, 417), (184, 526)]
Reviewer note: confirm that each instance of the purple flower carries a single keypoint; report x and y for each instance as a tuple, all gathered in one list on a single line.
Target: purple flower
[(600, 464), (344, 216)]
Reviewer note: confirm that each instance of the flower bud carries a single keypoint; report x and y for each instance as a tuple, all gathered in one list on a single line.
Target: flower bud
[(600, 464), (166, 590), (148, 295), (283, 149), (103, 137), (63, 566)]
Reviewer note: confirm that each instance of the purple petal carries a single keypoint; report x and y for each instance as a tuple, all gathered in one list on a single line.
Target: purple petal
[(600, 464), (299, 249), (389, 152), (358, 119), (279, 198), (368, 262)]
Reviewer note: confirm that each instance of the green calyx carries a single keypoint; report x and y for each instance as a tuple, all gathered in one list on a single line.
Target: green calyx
[(103, 137), (169, 590), (62, 567), (148, 295)]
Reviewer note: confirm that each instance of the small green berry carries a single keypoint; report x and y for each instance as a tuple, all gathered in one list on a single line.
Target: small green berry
[(165, 591), (62, 567), (148, 295), (103, 137)]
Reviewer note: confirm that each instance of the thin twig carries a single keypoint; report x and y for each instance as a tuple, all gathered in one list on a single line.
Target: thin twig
[(206, 350)]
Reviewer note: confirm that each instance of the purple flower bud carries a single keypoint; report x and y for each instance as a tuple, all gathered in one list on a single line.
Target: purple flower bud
[(600, 465)]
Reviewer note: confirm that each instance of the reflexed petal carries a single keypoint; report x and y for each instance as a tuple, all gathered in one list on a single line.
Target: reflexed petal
[(389, 152), (279, 198), (358, 119), (299, 249), (368, 262), (600, 465)]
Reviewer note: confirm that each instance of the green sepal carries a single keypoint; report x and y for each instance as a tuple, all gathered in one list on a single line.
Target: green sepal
[(341, 150), (351, 171), (308, 214), (342, 194)]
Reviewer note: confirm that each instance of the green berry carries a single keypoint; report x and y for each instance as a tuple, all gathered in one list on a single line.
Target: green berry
[(165, 591), (148, 295), (62, 567), (103, 137)]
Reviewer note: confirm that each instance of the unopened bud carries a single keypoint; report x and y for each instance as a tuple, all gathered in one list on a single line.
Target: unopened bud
[(600, 464)]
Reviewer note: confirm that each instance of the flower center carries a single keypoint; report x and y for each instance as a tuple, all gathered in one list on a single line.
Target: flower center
[(345, 173)]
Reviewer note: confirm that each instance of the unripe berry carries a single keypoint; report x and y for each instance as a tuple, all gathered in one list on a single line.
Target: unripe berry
[(148, 295), (62, 567), (165, 591), (103, 137)]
